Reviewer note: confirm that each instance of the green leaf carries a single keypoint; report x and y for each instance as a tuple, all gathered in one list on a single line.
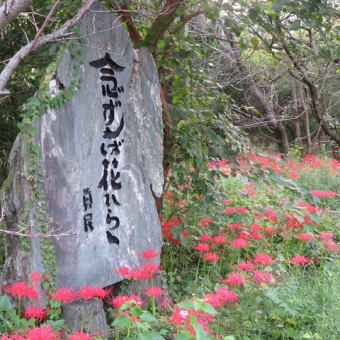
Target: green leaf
[(148, 317), (201, 334), (296, 25), (205, 307), (186, 304), (325, 52), (122, 321), (315, 217), (255, 42), (229, 337), (181, 336), (5, 304), (316, 47), (150, 336)]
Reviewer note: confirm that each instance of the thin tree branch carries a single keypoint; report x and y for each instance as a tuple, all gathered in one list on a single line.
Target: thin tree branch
[(37, 235), (157, 30), (42, 40), (125, 15), (10, 9), (43, 27)]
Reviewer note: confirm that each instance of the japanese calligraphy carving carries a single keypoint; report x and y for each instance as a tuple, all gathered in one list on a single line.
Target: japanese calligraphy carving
[(110, 147)]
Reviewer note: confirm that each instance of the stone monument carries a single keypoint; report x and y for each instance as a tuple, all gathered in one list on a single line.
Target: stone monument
[(101, 163)]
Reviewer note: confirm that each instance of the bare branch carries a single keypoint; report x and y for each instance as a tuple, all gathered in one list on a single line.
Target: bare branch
[(42, 40), (10, 9), (169, 9), (43, 27), (125, 14), (25, 231)]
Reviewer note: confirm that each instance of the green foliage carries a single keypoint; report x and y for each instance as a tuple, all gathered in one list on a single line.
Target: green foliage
[(10, 320), (27, 78)]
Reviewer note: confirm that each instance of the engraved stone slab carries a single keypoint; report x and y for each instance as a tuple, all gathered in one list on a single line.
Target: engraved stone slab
[(101, 159)]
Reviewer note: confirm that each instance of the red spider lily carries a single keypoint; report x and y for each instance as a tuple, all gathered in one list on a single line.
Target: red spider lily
[(241, 210), (230, 210), (255, 227), (255, 235), (151, 267), (168, 224), (244, 235), (35, 312), (124, 271), (181, 203), (301, 260), (119, 300), (145, 273), (154, 291), (309, 207), (211, 165), (322, 193), (206, 238), (246, 266), (293, 175), (234, 279), (36, 277), (205, 221), (292, 222), (269, 230), (219, 239), (239, 243), (211, 257), (213, 299), (80, 336), (305, 237), (183, 316), (331, 245), (150, 253), (175, 220), (179, 316), (271, 215), (65, 295), (235, 226), (21, 289), (264, 259), (168, 195), (42, 333), (202, 247), (261, 276), (326, 235), (225, 295), (185, 233), (88, 292), (308, 220)]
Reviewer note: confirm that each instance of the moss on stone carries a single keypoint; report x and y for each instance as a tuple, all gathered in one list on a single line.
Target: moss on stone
[(8, 181)]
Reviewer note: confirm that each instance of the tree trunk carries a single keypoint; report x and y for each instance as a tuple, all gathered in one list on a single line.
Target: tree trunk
[(297, 112), (303, 108), (284, 142), (260, 96)]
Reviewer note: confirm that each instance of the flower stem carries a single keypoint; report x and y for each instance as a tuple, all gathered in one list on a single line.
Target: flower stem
[(91, 317), (153, 304), (198, 267), (19, 307), (83, 317)]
